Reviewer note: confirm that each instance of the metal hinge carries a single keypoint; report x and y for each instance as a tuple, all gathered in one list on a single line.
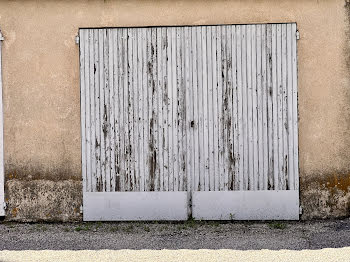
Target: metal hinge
[(297, 34), (5, 206), (81, 209), (77, 39), (1, 37), (300, 210)]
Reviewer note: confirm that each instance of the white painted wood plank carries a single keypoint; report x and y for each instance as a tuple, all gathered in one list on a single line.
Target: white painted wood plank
[(235, 127), (154, 168), (101, 180), (200, 109), (140, 108), (264, 98), (215, 185), (223, 109), (245, 108), (259, 104), (275, 107), (271, 41), (88, 113), (210, 56), (160, 66), (189, 115), (165, 50), (127, 129), (175, 62), (205, 110), (184, 112), (246, 205), (124, 82), (133, 206), (92, 175), (170, 105), (219, 47), (134, 104), (117, 108), (295, 109), (106, 113), (82, 36), (290, 38), (255, 110), (135, 134), (143, 184), (195, 106), (279, 104), (229, 115), (2, 178), (250, 109), (181, 110), (111, 77), (285, 182), (239, 63)]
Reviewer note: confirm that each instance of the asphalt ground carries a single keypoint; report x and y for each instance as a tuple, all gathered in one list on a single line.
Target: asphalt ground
[(189, 235)]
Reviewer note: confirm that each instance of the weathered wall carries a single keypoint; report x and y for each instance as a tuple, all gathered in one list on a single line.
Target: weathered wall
[(42, 108)]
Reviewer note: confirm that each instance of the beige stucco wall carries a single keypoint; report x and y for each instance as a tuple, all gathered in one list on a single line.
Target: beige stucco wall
[(42, 106)]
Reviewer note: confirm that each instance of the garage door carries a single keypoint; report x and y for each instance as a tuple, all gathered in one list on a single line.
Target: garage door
[(190, 121)]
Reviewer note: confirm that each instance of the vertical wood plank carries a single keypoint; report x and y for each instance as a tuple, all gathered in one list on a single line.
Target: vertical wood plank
[(200, 109), (118, 116), (106, 114), (223, 110), (229, 176), (275, 106), (214, 185), (264, 61), (144, 152), (92, 108), (295, 108), (135, 121), (111, 109), (204, 92), (271, 80), (259, 104), (195, 43), (219, 46), (285, 182), (290, 106), (124, 82), (88, 108), (235, 158), (83, 86), (140, 108), (160, 66), (255, 109), (175, 62), (181, 108), (250, 109), (245, 107), (171, 87), (97, 137), (188, 118), (154, 139), (279, 94), (240, 43), (165, 58), (211, 170)]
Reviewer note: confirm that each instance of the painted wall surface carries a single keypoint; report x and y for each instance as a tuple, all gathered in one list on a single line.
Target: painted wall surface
[(42, 93)]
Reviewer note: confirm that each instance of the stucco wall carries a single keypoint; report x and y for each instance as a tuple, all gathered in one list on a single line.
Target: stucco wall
[(42, 106)]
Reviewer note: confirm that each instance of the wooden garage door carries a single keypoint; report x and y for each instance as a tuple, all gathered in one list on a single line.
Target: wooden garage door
[(181, 121)]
